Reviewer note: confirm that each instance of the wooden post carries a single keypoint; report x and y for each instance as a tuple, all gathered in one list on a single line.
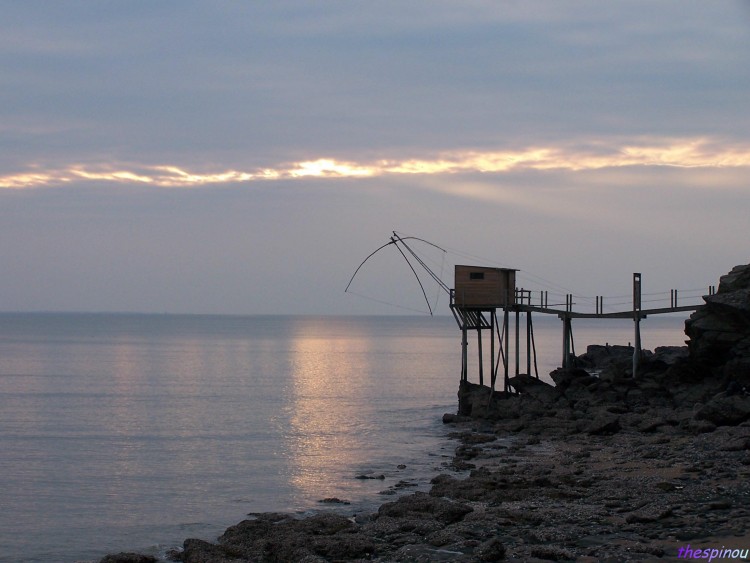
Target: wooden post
[(464, 353), (637, 321), (518, 344), (528, 341), (566, 341), (507, 349), (492, 351), (495, 361), (479, 345)]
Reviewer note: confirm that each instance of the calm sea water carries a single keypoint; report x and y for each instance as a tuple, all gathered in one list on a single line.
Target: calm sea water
[(133, 432)]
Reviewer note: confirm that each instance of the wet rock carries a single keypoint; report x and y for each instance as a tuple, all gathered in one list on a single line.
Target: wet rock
[(128, 558), (199, 551), (421, 504), (450, 418), (277, 537), (333, 500)]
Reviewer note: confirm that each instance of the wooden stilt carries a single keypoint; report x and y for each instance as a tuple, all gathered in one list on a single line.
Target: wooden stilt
[(507, 350), (518, 343), (566, 341), (492, 349), (528, 342), (481, 363), (464, 353)]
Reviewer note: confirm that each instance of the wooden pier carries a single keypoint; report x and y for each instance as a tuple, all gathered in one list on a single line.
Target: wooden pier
[(481, 292)]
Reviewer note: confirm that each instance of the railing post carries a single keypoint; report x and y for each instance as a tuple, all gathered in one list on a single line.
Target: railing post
[(637, 320)]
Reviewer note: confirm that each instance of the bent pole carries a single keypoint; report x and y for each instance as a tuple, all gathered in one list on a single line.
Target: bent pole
[(424, 293), (365, 260)]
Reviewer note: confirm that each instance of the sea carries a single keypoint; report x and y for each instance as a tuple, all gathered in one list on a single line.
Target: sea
[(133, 432)]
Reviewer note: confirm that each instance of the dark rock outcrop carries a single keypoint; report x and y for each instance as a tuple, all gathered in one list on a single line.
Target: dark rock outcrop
[(719, 332)]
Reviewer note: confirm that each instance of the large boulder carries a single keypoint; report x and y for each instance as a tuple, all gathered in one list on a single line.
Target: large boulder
[(725, 410), (719, 332), (422, 505)]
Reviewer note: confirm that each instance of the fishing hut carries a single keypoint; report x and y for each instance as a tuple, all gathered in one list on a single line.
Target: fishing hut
[(478, 293)]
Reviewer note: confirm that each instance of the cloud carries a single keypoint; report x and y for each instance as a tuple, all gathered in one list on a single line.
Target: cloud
[(701, 153)]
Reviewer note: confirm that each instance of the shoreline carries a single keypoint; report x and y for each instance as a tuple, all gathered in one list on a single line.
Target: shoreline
[(653, 466), (557, 487)]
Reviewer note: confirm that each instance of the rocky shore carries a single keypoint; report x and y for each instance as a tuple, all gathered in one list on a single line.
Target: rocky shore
[(604, 467)]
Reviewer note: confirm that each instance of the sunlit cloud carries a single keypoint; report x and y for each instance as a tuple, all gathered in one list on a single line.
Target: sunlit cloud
[(328, 168), (683, 153), (114, 176)]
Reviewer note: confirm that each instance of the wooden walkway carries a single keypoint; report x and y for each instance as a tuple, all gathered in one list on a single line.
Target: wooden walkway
[(643, 313), (519, 301)]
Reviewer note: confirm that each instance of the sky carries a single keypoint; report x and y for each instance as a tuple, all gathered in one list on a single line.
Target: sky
[(244, 157)]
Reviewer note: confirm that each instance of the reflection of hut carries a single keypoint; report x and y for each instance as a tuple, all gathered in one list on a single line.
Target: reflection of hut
[(484, 288)]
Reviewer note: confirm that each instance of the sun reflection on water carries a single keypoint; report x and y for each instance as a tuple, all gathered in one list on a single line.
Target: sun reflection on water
[(327, 405)]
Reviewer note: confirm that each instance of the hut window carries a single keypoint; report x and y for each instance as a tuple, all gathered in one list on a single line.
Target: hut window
[(476, 275)]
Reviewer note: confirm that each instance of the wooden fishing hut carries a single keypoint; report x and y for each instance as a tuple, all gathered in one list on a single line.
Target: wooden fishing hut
[(478, 293)]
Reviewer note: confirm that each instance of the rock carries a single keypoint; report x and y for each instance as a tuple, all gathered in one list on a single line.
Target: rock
[(449, 418), (527, 384), (737, 444), (421, 504), (651, 424), (565, 378), (551, 553), (199, 551), (614, 359), (490, 550), (128, 558), (604, 425), (738, 278), (701, 426), (280, 537), (670, 355), (473, 399), (333, 500), (719, 332), (725, 410), (721, 504), (666, 486)]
